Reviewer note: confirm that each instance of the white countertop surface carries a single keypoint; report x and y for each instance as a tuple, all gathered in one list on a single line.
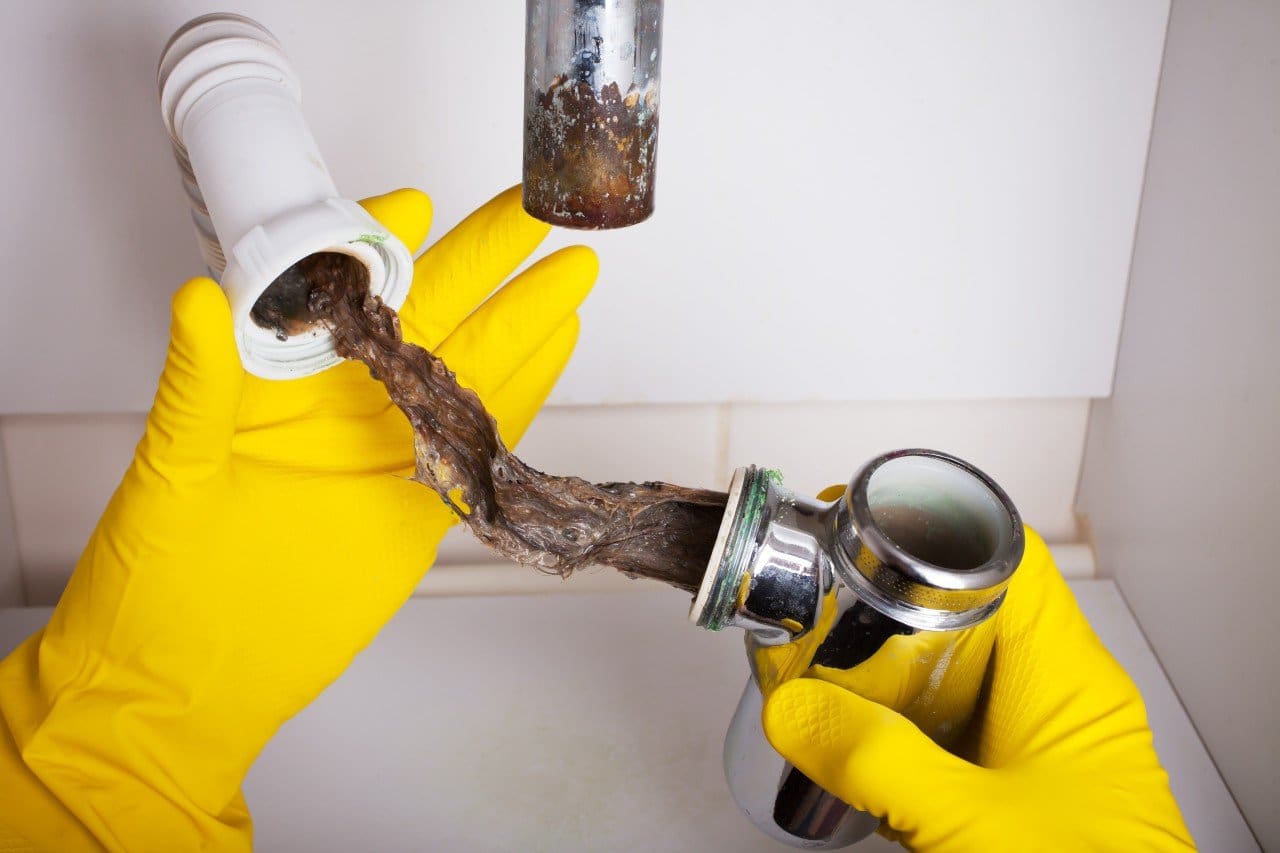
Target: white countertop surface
[(575, 722)]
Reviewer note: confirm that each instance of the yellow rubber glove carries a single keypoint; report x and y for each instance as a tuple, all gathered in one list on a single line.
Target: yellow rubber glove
[(1060, 758), (263, 534)]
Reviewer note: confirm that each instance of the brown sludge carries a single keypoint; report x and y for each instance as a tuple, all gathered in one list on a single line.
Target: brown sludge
[(557, 524), (283, 308), (589, 158)]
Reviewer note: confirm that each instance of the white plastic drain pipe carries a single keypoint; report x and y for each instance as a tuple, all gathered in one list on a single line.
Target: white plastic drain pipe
[(261, 196)]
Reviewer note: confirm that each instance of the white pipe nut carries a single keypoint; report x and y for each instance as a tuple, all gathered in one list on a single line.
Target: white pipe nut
[(261, 196)]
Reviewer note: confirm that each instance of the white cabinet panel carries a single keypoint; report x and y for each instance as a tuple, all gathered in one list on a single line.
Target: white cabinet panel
[(1181, 480), (929, 200), (421, 747)]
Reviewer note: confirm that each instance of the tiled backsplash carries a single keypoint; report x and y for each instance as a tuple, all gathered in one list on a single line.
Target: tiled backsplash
[(62, 468)]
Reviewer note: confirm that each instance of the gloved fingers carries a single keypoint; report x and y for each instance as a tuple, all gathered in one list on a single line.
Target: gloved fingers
[(886, 831), (832, 492), (903, 668), (466, 265), (406, 213), (189, 429), (515, 403), (1053, 684), (1039, 604), (871, 757), (515, 322)]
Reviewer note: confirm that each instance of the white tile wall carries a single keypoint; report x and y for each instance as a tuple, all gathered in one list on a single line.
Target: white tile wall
[(63, 468)]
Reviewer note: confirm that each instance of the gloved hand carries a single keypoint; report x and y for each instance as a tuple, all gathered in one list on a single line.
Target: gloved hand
[(263, 534), (1061, 757)]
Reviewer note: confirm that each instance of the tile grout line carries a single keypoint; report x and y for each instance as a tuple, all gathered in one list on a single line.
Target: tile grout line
[(11, 559)]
